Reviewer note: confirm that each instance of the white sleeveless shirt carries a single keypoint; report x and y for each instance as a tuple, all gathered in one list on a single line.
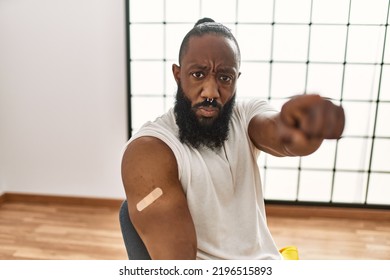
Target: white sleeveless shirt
[(223, 187)]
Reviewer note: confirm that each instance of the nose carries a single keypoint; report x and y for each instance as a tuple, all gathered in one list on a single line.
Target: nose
[(210, 89)]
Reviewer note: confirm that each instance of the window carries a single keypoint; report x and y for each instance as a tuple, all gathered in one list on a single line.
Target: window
[(338, 48)]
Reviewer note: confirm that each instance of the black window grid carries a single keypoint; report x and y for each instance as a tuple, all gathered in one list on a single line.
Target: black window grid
[(271, 62)]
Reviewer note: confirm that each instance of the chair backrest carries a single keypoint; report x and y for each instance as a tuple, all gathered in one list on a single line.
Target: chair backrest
[(135, 247)]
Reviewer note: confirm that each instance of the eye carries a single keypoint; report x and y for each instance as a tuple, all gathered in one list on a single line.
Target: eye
[(198, 75), (225, 78)]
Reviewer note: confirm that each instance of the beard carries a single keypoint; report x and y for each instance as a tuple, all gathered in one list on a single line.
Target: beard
[(202, 131)]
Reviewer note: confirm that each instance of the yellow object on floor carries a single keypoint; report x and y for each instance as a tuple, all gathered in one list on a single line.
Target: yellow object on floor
[(289, 253)]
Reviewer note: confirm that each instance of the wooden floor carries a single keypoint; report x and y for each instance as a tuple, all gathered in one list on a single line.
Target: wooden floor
[(330, 238), (33, 230), (58, 231)]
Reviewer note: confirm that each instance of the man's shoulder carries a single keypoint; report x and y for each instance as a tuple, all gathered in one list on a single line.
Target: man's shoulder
[(164, 122), (245, 104), (148, 150), (163, 128), (158, 138), (248, 108)]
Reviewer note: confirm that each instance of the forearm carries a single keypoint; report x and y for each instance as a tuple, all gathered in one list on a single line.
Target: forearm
[(271, 135), (263, 133)]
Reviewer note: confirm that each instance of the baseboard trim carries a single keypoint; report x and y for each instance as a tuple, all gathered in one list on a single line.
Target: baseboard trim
[(278, 210), (69, 200), (2, 198), (307, 211)]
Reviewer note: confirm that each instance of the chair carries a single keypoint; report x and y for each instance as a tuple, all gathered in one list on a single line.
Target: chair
[(135, 247)]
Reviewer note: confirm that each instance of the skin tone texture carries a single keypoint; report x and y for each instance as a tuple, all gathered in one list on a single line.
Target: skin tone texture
[(210, 69)]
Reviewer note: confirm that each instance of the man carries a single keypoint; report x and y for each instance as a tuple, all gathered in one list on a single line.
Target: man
[(191, 176)]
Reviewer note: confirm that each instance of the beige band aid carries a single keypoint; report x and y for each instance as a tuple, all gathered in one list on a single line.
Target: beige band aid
[(149, 199)]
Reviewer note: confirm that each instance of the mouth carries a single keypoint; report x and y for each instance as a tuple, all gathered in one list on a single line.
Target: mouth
[(207, 111)]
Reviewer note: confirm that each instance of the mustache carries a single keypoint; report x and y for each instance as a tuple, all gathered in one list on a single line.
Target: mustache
[(208, 103)]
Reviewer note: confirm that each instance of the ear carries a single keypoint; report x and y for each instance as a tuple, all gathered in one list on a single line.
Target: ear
[(176, 72)]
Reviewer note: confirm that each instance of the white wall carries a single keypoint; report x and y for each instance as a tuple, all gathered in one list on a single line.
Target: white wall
[(62, 96)]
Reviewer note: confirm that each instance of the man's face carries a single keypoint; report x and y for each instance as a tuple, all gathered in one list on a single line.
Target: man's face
[(206, 83), (195, 131)]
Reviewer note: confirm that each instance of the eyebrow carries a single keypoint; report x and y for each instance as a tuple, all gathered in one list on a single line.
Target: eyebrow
[(197, 66), (227, 69)]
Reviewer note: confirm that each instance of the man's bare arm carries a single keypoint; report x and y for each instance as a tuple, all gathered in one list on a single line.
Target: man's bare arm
[(165, 225), (299, 129)]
